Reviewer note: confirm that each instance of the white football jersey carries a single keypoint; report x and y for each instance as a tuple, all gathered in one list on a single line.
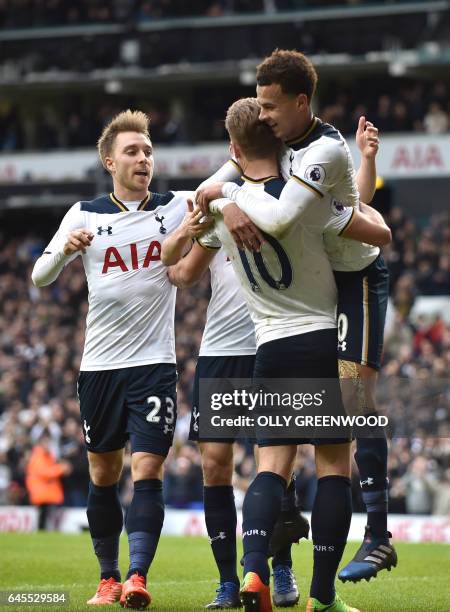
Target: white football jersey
[(130, 321), (289, 286), (229, 329), (321, 156)]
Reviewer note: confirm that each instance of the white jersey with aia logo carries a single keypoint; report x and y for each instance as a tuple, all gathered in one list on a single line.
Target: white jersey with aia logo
[(131, 301)]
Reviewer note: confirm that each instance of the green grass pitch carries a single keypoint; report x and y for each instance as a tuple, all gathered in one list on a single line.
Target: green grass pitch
[(183, 575)]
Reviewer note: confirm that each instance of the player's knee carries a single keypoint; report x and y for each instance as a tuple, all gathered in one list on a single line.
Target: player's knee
[(146, 466), (372, 451), (104, 475), (333, 460), (217, 469), (277, 459), (105, 468)]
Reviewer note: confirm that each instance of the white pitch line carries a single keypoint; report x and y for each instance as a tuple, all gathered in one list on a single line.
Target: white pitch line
[(61, 587)]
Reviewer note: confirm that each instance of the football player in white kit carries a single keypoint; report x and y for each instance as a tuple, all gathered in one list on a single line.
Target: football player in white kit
[(127, 379), (312, 152), (228, 350), (294, 315)]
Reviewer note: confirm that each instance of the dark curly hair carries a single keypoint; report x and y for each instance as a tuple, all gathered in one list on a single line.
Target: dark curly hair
[(292, 70)]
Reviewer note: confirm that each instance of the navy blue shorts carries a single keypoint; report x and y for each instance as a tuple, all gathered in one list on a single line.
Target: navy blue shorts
[(310, 355), (361, 311), (239, 366), (137, 403)]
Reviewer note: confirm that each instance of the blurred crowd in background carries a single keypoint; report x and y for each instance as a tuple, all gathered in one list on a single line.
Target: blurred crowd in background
[(37, 13), (41, 341), (60, 88), (71, 123)]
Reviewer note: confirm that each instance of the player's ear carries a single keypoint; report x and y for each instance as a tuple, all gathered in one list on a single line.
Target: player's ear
[(235, 150), (109, 164), (302, 101)]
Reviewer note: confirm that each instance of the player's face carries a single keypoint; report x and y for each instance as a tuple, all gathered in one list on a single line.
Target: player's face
[(132, 161), (286, 114)]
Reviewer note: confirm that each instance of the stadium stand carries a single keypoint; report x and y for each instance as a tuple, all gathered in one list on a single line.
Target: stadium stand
[(41, 340), (164, 56), (67, 68)]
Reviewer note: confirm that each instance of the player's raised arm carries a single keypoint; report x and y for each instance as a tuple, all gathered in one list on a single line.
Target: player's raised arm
[(190, 269), (70, 240), (368, 144), (177, 245)]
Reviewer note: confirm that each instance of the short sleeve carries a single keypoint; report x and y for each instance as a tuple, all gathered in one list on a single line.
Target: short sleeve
[(323, 166), (340, 218)]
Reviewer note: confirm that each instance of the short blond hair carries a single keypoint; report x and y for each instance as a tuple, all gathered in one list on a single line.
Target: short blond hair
[(126, 121), (254, 137)]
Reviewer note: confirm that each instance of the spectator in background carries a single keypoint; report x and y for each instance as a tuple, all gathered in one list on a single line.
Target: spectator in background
[(442, 496), (436, 119), (183, 487), (420, 486), (44, 478)]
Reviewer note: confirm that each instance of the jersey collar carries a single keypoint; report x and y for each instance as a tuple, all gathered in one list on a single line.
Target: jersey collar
[(122, 206), (266, 179), (299, 139)]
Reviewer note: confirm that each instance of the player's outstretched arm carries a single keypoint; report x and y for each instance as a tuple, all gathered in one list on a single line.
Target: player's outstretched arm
[(367, 225), (368, 144), (321, 168), (269, 214), (190, 269), (177, 244)]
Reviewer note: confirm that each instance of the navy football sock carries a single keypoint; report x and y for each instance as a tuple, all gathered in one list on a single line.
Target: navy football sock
[(105, 519), (283, 557), (288, 503), (260, 511), (144, 522), (330, 522), (371, 459), (288, 506), (220, 519)]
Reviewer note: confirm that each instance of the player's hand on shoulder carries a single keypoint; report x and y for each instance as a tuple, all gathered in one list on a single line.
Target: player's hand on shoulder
[(367, 138), (195, 223), (204, 196), (244, 231), (78, 240)]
